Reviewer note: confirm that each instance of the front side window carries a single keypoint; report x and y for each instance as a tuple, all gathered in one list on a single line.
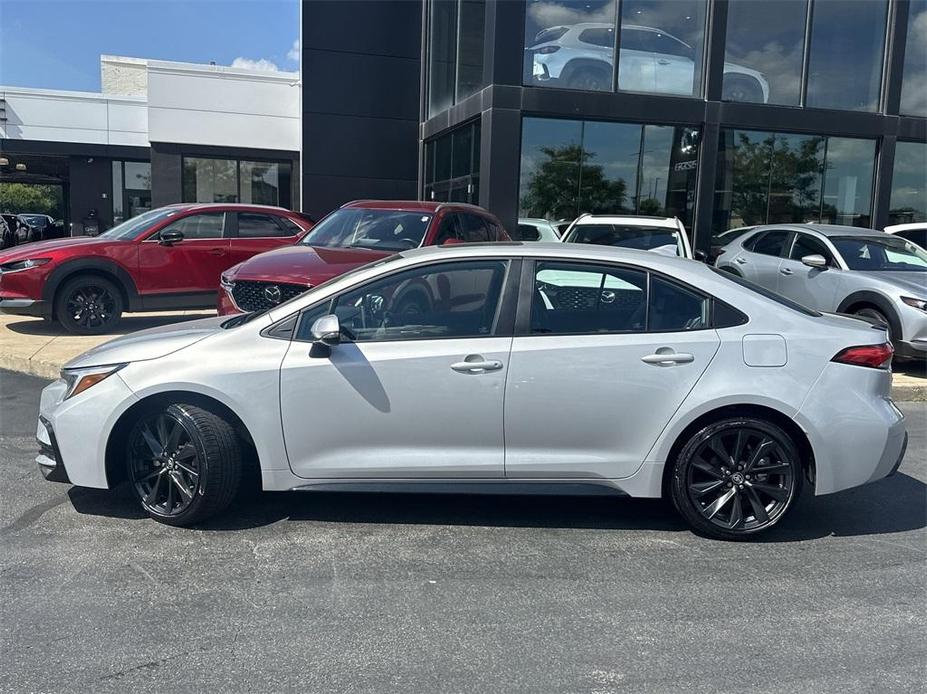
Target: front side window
[(449, 300), (806, 244), (381, 230), (252, 225), (199, 226), (770, 243), (579, 298), (658, 239), (878, 254)]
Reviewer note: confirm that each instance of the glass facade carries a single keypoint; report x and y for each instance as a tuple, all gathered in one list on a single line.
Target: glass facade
[(914, 80), (909, 184), (452, 166), (571, 167), (455, 51), (776, 178), (231, 180), (131, 189)]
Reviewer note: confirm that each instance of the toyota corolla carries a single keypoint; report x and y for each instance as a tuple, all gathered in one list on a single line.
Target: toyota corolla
[(668, 378)]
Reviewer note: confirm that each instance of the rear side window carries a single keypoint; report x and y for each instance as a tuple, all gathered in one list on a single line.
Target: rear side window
[(770, 243), (528, 232), (779, 299), (599, 37), (674, 308), (473, 228), (252, 225)]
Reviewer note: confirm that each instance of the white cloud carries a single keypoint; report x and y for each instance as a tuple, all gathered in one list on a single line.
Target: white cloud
[(293, 53), (260, 64)]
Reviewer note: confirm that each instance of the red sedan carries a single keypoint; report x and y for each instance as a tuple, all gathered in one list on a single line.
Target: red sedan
[(166, 259), (357, 233)]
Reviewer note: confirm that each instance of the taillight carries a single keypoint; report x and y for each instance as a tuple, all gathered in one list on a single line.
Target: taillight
[(547, 50), (873, 356)]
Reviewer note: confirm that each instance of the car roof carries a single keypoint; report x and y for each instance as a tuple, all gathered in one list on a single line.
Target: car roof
[(828, 230), (915, 226), (411, 205), (224, 205), (631, 219)]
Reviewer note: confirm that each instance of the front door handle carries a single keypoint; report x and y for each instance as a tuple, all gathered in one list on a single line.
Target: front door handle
[(668, 358), (475, 364), (786, 271), (740, 261)]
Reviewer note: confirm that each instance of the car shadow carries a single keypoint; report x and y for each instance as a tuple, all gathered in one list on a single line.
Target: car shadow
[(128, 324), (893, 505)]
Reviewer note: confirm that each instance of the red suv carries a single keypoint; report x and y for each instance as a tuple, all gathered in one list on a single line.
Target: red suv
[(355, 234), (165, 259)]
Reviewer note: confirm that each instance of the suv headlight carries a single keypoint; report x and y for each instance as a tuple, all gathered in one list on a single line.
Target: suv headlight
[(916, 303), (226, 282), (79, 380), (23, 264)]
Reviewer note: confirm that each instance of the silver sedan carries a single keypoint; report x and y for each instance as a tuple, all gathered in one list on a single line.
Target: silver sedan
[(487, 368), (825, 267)]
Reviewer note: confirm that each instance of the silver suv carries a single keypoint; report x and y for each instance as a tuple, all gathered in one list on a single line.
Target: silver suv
[(840, 269), (581, 56)]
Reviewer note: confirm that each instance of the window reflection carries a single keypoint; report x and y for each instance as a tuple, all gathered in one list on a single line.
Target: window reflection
[(574, 167), (229, 180), (845, 60), (452, 166), (764, 48), (769, 178), (909, 184), (455, 51), (914, 77)]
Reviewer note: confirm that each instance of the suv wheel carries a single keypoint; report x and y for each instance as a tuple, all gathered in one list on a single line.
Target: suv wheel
[(89, 305), (876, 315), (736, 478), (184, 463)]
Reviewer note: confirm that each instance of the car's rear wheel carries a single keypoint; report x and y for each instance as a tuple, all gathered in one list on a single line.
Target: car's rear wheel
[(89, 305), (742, 88), (590, 79), (184, 463), (736, 478)]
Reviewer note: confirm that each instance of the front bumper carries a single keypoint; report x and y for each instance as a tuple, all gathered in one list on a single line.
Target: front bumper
[(49, 458), (911, 349), (23, 307)]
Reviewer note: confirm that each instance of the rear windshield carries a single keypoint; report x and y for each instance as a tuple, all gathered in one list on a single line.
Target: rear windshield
[(778, 298), (645, 238)]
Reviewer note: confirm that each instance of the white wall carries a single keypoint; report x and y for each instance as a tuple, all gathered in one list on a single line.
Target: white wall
[(57, 116), (123, 76), (213, 105)]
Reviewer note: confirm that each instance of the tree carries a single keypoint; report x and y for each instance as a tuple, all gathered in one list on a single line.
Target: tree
[(565, 184), (17, 198)]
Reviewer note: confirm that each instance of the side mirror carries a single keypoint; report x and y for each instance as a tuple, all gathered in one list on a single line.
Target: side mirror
[(326, 331), (170, 237), (700, 255), (816, 260)]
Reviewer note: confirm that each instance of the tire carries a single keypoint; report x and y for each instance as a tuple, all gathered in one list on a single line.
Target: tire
[(89, 305), (184, 463), (590, 80), (743, 89), (726, 502)]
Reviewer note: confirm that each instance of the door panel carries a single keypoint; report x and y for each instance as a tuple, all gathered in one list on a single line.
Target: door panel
[(815, 288), (394, 409), (760, 263), (192, 265), (589, 406)]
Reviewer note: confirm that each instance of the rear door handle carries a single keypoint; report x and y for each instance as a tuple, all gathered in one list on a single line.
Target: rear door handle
[(475, 364), (216, 251), (786, 271), (740, 261), (668, 358)]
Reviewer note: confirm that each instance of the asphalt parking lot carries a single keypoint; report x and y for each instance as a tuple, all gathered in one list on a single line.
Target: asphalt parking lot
[(360, 593)]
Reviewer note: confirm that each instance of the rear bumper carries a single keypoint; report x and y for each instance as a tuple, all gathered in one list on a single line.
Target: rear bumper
[(24, 307)]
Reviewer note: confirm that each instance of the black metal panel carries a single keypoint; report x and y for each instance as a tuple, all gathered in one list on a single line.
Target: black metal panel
[(90, 188), (368, 27), (324, 193), (79, 149)]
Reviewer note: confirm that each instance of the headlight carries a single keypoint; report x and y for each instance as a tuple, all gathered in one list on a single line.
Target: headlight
[(226, 282), (23, 264), (79, 380), (916, 303)]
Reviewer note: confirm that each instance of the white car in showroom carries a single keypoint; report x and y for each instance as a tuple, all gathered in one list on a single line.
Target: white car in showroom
[(669, 378), (580, 56)]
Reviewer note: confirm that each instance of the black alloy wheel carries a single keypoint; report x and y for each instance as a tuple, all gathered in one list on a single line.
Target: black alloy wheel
[(89, 305), (736, 478), (590, 80), (184, 463)]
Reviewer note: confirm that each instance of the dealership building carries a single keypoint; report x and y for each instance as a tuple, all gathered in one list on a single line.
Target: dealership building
[(723, 113)]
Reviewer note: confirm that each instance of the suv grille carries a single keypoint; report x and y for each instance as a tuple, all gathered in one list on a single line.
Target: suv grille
[(258, 296)]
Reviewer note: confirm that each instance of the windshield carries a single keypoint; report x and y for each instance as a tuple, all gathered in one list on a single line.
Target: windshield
[(381, 230), (657, 239), (880, 254), (131, 229)]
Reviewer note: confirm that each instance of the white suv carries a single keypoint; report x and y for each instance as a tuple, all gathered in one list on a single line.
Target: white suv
[(650, 60), (665, 235)]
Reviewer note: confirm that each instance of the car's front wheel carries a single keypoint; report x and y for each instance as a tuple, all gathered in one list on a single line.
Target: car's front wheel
[(737, 477), (184, 463), (89, 305)]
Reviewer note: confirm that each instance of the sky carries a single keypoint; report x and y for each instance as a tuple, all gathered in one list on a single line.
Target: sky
[(56, 44)]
